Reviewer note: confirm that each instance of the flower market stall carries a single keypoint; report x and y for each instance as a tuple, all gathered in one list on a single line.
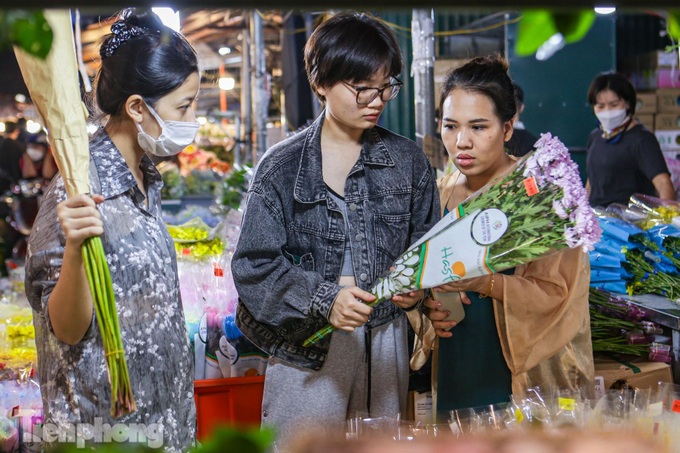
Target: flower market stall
[(635, 268), (229, 370), (634, 309)]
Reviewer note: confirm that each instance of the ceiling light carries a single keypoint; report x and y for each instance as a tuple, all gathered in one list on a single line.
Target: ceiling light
[(20, 98), (168, 16), (605, 9), (224, 50), (33, 127), (227, 83)]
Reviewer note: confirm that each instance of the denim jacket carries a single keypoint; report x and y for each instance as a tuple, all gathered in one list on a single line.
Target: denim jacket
[(290, 250)]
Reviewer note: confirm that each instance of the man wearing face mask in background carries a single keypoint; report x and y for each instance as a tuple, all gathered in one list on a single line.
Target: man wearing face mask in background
[(623, 158), (37, 161)]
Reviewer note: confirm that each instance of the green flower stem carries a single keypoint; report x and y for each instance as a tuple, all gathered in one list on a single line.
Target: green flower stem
[(608, 333), (104, 301), (647, 279)]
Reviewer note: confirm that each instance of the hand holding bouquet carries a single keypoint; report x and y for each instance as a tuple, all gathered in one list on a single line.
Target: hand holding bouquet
[(539, 208)]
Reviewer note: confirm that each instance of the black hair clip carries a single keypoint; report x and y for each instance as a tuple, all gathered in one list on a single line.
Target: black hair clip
[(122, 31)]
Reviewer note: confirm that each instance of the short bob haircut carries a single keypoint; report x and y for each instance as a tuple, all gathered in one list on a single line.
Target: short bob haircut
[(487, 76), (152, 63), (351, 47), (617, 83)]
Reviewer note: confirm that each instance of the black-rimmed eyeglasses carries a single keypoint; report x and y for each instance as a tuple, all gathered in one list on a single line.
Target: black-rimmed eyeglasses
[(366, 95)]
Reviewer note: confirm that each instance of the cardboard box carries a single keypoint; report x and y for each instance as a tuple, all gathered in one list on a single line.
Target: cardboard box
[(658, 59), (667, 121), (673, 164), (419, 407), (667, 78), (636, 373), (645, 104), (668, 101), (653, 79), (646, 119), (668, 140), (649, 61)]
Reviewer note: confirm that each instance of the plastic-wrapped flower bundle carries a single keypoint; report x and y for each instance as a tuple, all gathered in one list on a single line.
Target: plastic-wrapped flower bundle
[(538, 208), (196, 239), (617, 327), (628, 259), (655, 210)]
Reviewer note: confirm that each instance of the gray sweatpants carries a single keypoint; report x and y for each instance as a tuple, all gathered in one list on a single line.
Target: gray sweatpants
[(297, 400)]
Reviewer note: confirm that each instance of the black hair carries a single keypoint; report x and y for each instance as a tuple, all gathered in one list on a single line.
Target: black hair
[(617, 83), (484, 75), (141, 56), (11, 127), (519, 93), (350, 47)]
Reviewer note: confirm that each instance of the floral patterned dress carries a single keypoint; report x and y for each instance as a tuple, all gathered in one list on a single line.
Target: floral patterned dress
[(141, 257)]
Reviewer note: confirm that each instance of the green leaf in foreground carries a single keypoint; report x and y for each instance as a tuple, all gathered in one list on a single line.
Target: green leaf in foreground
[(535, 27), (226, 439), (574, 26), (28, 30)]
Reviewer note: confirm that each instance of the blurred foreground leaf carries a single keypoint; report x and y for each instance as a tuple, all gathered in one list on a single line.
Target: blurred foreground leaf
[(230, 439), (26, 29), (538, 25)]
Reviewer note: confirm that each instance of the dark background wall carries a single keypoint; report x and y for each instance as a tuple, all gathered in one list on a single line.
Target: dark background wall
[(555, 89)]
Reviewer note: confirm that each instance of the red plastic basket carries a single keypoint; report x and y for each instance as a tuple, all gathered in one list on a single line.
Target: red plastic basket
[(228, 401)]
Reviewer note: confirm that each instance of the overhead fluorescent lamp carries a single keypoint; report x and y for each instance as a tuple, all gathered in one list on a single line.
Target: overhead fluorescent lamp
[(605, 9)]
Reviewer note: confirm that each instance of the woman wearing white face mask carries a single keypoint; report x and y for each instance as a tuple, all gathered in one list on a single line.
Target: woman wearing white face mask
[(623, 158), (37, 161), (146, 88)]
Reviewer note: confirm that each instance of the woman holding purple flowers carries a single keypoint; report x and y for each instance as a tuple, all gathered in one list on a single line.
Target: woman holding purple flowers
[(522, 328)]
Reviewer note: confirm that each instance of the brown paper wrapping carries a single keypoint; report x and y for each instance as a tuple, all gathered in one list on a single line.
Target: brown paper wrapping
[(55, 90)]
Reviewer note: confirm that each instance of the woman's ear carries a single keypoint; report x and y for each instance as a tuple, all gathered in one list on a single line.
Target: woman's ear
[(508, 129), (134, 107)]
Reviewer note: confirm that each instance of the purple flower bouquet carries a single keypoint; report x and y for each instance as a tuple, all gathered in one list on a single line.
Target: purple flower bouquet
[(538, 208)]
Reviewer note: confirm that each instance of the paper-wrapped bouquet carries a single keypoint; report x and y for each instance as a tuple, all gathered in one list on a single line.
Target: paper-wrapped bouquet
[(538, 208)]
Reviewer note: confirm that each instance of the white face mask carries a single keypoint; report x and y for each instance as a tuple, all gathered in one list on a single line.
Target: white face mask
[(35, 152), (175, 136), (611, 119)]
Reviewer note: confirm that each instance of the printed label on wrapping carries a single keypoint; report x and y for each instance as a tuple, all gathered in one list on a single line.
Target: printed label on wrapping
[(457, 252), (489, 226)]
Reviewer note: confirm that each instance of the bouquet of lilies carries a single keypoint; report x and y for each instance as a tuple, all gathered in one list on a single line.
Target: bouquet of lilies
[(538, 208)]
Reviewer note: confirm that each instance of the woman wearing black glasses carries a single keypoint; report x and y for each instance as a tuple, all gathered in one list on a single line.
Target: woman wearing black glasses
[(328, 212)]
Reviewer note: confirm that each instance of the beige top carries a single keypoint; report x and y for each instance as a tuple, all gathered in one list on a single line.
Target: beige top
[(543, 322)]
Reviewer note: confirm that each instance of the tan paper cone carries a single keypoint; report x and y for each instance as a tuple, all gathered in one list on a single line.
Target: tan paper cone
[(55, 90)]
